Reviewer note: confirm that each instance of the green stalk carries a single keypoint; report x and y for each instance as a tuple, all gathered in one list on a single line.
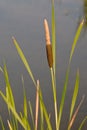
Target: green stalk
[(53, 38), (54, 95), (53, 70)]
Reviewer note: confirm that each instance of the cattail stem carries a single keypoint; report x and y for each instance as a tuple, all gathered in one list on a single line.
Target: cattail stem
[(37, 105), (55, 97)]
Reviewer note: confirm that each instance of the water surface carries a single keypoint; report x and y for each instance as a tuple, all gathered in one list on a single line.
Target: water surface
[(23, 19)]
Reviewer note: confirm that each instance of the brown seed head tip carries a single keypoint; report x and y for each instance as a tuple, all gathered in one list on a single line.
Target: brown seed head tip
[(47, 33)]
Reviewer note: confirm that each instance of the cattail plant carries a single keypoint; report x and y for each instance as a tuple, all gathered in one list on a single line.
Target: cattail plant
[(22, 118), (50, 63)]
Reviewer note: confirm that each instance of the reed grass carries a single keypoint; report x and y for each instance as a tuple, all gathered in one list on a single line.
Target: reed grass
[(40, 110)]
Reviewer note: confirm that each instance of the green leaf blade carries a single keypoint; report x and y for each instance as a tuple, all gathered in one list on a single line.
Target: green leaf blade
[(76, 39), (63, 96), (9, 93), (45, 112), (75, 93), (82, 123), (13, 111), (2, 124), (24, 60)]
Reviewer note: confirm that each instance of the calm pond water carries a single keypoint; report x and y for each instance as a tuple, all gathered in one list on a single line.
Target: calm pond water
[(23, 19)]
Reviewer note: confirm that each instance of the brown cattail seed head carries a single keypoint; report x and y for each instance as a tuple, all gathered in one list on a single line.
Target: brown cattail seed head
[(49, 55), (48, 45)]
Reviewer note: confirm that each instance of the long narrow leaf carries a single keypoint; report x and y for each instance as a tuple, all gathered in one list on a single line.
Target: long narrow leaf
[(45, 112), (10, 98), (75, 93), (3, 128), (41, 117), (25, 100), (25, 105), (63, 96), (24, 60), (75, 114), (31, 113), (13, 111), (24, 116), (8, 88), (67, 73), (76, 38), (83, 122)]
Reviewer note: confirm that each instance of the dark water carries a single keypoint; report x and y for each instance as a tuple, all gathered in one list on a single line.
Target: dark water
[(23, 19)]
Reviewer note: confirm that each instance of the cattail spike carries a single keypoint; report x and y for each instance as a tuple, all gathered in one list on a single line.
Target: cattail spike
[(47, 33), (49, 55), (48, 45)]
